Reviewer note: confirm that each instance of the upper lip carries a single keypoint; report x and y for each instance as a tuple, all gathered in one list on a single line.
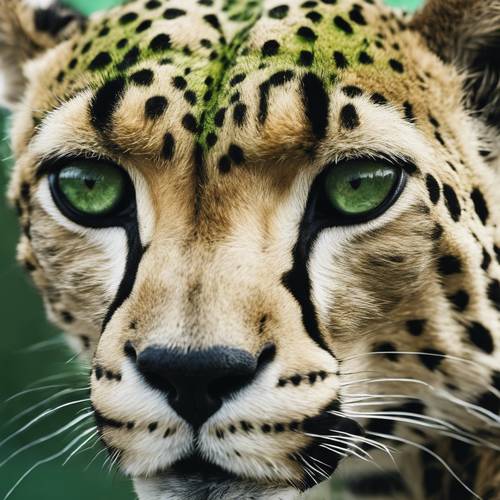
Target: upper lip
[(195, 464)]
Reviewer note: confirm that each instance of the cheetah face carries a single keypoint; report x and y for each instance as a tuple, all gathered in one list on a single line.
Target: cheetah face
[(254, 218)]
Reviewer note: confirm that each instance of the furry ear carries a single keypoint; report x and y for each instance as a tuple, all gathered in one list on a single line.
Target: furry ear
[(466, 33), (27, 29)]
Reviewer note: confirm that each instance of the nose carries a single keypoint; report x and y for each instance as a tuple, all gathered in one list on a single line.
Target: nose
[(197, 382)]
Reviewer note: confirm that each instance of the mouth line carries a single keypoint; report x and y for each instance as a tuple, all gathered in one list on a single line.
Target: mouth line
[(196, 465)]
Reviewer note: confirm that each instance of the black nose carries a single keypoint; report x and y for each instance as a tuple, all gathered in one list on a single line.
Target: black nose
[(197, 382)]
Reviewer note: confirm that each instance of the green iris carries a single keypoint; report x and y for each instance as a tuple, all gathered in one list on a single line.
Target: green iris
[(92, 188), (358, 187)]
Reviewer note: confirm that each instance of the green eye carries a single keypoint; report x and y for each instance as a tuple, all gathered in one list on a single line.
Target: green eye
[(359, 187), (92, 188)]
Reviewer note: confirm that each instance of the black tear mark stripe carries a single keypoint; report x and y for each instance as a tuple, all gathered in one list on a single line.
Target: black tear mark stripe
[(297, 280), (102, 107)]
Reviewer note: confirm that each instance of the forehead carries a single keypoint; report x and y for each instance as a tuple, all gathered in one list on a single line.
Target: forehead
[(221, 73)]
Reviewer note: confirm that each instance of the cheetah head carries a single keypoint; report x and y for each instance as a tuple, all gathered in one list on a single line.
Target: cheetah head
[(271, 226)]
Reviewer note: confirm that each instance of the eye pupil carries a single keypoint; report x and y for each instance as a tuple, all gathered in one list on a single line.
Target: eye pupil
[(90, 183), (355, 183)]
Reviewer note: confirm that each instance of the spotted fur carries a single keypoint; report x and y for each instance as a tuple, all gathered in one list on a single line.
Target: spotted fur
[(224, 113)]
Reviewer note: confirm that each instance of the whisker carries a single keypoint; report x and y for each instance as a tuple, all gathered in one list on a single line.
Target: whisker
[(44, 461), (44, 402), (430, 452), (80, 446), (29, 391), (46, 438), (104, 450), (46, 413)]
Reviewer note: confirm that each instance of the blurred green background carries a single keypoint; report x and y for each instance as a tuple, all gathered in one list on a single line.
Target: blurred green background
[(31, 355)]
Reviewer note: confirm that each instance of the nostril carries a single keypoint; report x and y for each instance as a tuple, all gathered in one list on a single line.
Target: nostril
[(266, 356), (130, 351)]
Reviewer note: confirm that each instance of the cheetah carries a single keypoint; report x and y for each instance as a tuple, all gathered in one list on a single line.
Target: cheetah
[(271, 227)]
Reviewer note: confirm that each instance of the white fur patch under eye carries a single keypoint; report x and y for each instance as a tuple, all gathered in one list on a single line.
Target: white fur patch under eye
[(112, 241)]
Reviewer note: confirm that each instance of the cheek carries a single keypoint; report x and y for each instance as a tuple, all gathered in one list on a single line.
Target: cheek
[(361, 284), (76, 273)]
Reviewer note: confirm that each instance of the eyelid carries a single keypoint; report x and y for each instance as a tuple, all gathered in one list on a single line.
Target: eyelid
[(52, 164)]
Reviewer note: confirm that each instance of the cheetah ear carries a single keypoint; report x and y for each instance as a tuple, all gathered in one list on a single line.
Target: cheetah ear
[(466, 33), (27, 29)]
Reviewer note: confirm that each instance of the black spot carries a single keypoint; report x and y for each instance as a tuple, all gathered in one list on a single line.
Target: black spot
[(432, 188), (316, 104), (99, 372), (279, 427), (381, 426), (173, 13), (60, 76), (179, 82), (452, 202), (490, 402), (224, 164), (105, 101), (266, 428), (409, 115), (279, 12), (67, 317), (485, 264), (356, 16), (219, 117), (343, 25), (416, 326), (103, 32), (310, 4), (153, 4), (306, 58), (352, 91), (239, 114), (236, 154), (480, 205), (497, 252), (275, 80), (211, 139), (460, 300), (349, 118), (449, 264), (388, 348), (213, 20), (439, 138), (143, 26), (72, 64), (121, 44), (168, 149), (365, 58), (481, 337), (314, 16), (270, 48), (329, 2), (237, 79), (494, 293), (160, 43), (189, 123), (190, 97), (153, 426), (377, 98), (143, 77), (307, 33), (129, 59), (431, 358), (204, 42), (100, 61), (433, 121), (128, 18), (155, 107), (51, 21), (340, 60), (396, 65)]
